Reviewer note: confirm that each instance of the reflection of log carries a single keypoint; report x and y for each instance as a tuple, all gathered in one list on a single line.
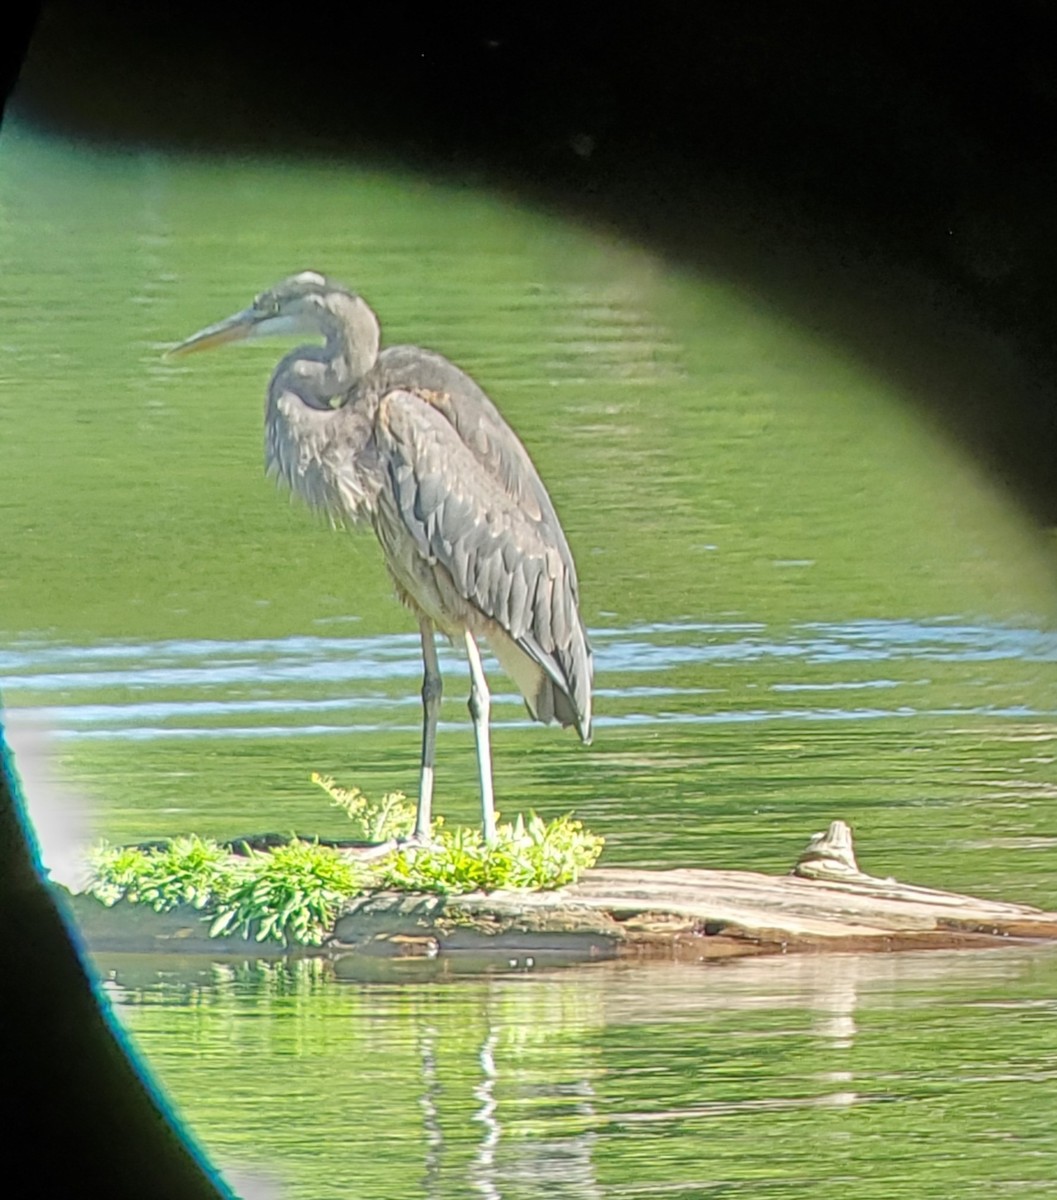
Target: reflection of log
[(826, 903)]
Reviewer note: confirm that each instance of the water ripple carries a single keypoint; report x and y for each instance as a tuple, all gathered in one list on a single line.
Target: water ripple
[(132, 690)]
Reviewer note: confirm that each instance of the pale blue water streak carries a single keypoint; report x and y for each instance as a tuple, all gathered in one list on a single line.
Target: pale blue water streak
[(279, 671)]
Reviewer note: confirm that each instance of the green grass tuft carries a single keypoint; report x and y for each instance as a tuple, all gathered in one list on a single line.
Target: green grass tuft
[(190, 870), (292, 893), (535, 854)]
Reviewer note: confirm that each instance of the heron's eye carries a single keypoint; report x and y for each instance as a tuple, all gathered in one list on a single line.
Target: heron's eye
[(267, 305)]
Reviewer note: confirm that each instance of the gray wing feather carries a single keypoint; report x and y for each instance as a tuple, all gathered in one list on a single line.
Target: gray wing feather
[(513, 565), (481, 428)]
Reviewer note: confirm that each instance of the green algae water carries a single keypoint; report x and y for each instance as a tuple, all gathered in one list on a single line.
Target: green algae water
[(804, 605)]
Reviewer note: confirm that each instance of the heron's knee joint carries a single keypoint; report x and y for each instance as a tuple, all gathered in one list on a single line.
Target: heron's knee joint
[(432, 689), (478, 705)]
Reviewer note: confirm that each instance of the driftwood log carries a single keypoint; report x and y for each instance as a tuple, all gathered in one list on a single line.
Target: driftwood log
[(825, 904)]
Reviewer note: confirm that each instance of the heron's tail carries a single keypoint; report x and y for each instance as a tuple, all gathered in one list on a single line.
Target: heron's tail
[(566, 713), (555, 688)]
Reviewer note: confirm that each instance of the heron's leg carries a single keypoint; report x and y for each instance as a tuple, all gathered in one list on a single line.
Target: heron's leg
[(480, 704), (432, 687)]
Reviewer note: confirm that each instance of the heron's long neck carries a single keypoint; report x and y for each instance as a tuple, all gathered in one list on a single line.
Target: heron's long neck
[(352, 339), (320, 413), (325, 376), (319, 434)]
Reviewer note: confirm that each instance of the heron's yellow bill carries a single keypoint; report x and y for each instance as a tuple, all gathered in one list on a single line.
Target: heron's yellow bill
[(233, 329)]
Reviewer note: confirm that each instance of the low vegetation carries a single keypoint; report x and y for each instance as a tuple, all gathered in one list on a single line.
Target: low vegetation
[(393, 817), (189, 870), (527, 854), (294, 892)]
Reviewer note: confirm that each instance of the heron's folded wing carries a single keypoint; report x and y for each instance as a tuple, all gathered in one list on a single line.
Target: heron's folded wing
[(511, 564), (481, 428)]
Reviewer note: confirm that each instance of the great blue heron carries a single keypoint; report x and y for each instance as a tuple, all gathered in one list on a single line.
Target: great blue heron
[(403, 439)]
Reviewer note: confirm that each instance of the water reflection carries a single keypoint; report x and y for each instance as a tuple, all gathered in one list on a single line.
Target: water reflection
[(527, 1084), (429, 1102), (483, 1170)]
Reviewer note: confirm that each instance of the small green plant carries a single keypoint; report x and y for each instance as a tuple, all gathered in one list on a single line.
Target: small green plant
[(189, 870), (394, 817), (533, 854), (292, 893)]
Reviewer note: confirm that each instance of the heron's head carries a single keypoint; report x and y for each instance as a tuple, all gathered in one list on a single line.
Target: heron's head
[(306, 303)]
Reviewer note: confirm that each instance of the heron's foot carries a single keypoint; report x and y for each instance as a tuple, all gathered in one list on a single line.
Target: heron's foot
[(414, 841), (377, 850)]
